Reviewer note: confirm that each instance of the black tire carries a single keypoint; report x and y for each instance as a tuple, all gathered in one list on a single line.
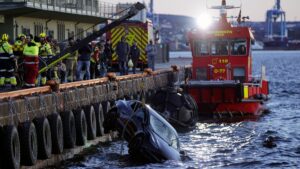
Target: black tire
[(81, 127), (106, 107), (57, 133), (43, 131), (91, 122), (99, 119), (69, 129), (29, 143), (10, 147)]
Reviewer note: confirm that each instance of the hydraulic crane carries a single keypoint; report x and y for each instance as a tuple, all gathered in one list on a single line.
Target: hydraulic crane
[(132, 11)]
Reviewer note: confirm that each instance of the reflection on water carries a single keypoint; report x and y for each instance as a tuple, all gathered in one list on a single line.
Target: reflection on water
[(233, 145)]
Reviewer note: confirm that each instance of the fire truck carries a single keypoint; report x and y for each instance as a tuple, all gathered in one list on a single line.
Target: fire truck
[(134, 31)]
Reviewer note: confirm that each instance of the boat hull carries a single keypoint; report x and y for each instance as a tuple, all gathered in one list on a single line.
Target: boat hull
[(222, 99)]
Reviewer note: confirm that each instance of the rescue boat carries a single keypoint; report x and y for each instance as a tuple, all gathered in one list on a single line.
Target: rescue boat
[(222, 83)]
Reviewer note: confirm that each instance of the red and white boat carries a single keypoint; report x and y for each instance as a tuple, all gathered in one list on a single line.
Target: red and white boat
[(222, 83)]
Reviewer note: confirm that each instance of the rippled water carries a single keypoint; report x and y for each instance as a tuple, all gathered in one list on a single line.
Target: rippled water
[(232, 145)]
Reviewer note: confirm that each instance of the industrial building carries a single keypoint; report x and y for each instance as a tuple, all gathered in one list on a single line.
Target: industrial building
[(60, 19)]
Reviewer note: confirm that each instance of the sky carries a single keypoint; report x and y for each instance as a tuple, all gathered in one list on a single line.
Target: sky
[(255, 9)]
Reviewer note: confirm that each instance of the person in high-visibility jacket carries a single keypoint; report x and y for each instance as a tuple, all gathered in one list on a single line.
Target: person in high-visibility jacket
[(45, 53), (7, 63), (18, 48), (31, 62), (94, 63)]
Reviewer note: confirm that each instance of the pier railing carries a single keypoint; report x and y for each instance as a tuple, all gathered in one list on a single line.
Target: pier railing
[(80, 7)]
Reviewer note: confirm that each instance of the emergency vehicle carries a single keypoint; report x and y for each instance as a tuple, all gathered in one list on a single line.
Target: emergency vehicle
[(140, 32)]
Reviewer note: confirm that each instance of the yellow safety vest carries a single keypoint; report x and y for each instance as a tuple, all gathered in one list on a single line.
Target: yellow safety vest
[(18, 47), (45, 50), (6, 51)]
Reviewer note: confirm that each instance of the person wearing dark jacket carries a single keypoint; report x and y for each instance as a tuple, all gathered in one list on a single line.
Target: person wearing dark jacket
[(122, 51), (108, 51), (134, 56), (83, 63)]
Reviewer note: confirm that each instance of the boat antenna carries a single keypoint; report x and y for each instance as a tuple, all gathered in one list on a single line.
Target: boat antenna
[(223, 9)]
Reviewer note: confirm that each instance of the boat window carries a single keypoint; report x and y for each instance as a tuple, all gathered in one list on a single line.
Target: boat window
[(239, 47), (219, 48), (239, 74), (201, 48), (163, 131), (201, 73)]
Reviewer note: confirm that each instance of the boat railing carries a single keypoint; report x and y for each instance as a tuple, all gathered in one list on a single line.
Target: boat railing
[(89, 8)]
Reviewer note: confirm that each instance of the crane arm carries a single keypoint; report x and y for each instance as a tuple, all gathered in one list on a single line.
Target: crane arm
[(133, 10)]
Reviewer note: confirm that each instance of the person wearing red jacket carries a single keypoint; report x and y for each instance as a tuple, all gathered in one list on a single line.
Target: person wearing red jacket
[(94, 63)]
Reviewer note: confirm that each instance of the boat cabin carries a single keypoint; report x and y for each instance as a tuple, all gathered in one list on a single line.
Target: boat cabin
[(222, 54)]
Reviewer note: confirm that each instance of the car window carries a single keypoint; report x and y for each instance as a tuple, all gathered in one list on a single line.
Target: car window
[(162, 130)]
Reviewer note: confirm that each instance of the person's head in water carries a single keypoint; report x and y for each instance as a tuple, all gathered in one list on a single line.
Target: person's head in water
[(269, 142)]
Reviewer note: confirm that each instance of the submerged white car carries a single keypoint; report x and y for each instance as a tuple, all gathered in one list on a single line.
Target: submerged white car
[(150, 137)]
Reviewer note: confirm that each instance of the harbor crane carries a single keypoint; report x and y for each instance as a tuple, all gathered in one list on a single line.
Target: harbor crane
[(272, 16)]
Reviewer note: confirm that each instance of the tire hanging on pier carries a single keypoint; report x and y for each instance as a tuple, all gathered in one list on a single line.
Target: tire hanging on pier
[(69, 129), (57, 133), (10, 146), (81, 127), (91, 122), (106, 107), (44, 137), (99, 119), (29, 143)]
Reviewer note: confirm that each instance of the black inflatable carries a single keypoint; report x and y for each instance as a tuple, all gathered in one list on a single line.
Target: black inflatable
[(178, 108)]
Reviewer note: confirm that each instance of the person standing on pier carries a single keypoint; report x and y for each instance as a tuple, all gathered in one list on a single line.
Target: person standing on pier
[(71, 61), (45, 53), (84, 63), (18, 48), (122, 51), (31, 62), (151, 52), (134, 55), (7, 63), (102, 62), (108, 51), (94, 63)]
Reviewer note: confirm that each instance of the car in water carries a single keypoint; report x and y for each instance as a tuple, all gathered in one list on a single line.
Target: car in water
[(150, 137)]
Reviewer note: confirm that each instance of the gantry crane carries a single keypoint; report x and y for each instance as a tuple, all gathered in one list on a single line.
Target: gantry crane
[(272, 16)]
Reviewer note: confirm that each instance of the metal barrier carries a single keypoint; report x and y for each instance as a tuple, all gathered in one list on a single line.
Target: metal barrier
[(80, 7)]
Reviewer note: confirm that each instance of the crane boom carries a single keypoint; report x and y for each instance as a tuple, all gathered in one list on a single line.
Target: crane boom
[(133, 10)]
